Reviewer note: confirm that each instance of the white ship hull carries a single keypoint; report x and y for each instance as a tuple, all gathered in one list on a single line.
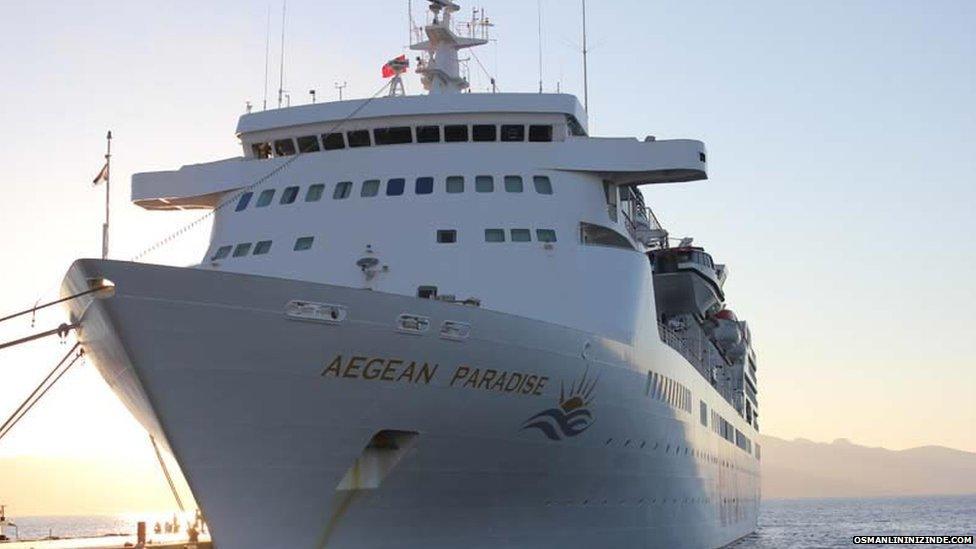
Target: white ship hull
[(265, 415)]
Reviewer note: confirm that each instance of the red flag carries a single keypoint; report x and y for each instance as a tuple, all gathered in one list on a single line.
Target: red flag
[(395, 66)]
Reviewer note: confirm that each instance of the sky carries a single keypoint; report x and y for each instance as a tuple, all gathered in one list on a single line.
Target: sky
[(840, 136)]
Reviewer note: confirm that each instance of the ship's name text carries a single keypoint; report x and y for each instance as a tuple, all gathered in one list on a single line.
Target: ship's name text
[(412, 371)]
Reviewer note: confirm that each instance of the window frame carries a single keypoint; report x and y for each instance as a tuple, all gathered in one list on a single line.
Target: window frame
[(307, 138), (393, 135), (243, 201), (480, 178), (289, 195), (428, 187), (342, 190), (260, 248), (516, 182), (540, 232), (446, 232), (221, 253), (329, 143), (353, 140), (500, 232), (375, 189), (303, 243), (396, 186), (447, 184), (316, 189), (505, 134), (261, 202), (279, 146), (484, 133), (545, 137), (536, 179), (526, 232), (428, 138), (242, 249), (448, 138)]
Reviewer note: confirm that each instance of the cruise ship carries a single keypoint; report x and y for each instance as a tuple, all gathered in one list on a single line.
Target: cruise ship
[(437, 321)]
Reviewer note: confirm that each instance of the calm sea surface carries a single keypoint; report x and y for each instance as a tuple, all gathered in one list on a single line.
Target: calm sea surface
[(812, 523)]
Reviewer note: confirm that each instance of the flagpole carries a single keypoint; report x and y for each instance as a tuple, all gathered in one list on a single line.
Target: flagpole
[(108, 186)]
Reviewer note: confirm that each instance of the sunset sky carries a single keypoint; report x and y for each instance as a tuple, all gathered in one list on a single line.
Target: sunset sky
[(841, 139)]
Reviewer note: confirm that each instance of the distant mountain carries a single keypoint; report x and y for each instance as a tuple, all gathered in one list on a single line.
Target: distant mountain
[(802, 468)]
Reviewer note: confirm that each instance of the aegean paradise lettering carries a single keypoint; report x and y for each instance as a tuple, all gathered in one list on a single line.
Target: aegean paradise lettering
[(417, 372)]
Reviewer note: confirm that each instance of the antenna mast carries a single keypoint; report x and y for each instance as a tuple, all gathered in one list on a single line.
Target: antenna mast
[(586, 81), (540, 45), (281, 75), (267, 55)]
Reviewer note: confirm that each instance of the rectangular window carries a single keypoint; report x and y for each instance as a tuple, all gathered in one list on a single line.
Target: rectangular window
[(428, 134), (424, 185), (494, 235), (446, 236), (304, 243), (521, 235), (394, 187), (455, 133), (371, 187), (545, 235), (542, 184), (512, 132), (393, 136), (455, 184), (358, 138), (265, 197), (315, 192), (242, 249), (262, 247), (540, 133), (243, 202), (484, 184), (704, 413), (261, 150), (484, 132), (333, 141), (513, 183), (284, 147), (342, 190), (289, 196), (308, 144), (221, 253)]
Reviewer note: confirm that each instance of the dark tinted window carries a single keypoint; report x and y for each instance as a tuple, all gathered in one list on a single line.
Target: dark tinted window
[(484, 132), (454, 184), (545, 235), (494, 235), (540, 133), (221, 253), (304, 243), (521, 235), (308, 144), (542, 184), (425, 185), (513, 183), (453, 134), (242, 249), (265, 197), (261, 150), (314, 193), (332, 141), (394, 187), (446, 237), (244, 201), (393, 136), (484, 184), (342, 190), (284, 147), (428, 134), (262, 247), (512, 132), (370, 188), (289, 196), (358, 138)]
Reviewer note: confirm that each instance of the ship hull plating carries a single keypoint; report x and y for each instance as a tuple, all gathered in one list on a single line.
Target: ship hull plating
[(270, 418)]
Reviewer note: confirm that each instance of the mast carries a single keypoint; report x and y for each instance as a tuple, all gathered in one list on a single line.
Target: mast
[(441, 70), (108, 186), (586, 80)]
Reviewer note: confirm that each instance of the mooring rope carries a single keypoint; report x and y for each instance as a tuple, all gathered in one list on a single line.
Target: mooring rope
[(36, 308), (41, 390), (165, 469)]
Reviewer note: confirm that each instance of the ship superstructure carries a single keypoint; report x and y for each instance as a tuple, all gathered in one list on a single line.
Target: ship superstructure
[(433, 321)]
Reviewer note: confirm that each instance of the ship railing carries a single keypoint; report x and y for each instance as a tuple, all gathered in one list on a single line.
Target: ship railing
[(700, 353)]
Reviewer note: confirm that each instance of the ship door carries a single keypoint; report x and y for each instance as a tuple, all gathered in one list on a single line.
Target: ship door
[(613, 199)]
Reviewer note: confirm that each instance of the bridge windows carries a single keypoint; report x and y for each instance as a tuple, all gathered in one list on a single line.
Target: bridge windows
[(333, 141), (540, 133), (342, 190), (513, 183), (284, 147), (308, 143), (424, 185), (455, 133), (484, 132), (397, 135), (265, 198), (484, 184), (358, 138), (315, 192), (243, 201), (454, 184), (394, 187), (289, 195), (304, 243), (261, 150), (428, 134), (513, 132)]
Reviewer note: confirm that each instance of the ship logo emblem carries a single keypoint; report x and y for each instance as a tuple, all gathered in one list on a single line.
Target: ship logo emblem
[(571, 417)]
